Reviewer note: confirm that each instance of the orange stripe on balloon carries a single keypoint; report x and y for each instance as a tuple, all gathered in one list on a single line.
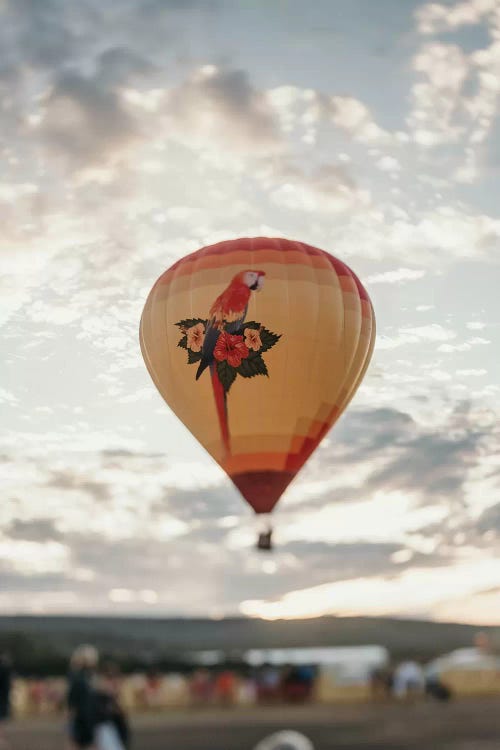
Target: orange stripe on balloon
[(240, 258), (248, 461)]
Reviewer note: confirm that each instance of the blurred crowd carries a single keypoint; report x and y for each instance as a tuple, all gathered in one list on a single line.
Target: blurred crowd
[(153, 690), (95, 699), (407, 681)]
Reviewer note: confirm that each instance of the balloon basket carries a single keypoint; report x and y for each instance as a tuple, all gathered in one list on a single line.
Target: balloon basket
[(264, 533), (264, 541)]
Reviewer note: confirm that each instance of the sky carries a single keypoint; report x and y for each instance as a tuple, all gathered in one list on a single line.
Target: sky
[(134, 132)]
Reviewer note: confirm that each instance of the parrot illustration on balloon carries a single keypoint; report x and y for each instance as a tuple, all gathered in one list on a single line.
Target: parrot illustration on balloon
[(227, 344), (222, 343), (229, 312)]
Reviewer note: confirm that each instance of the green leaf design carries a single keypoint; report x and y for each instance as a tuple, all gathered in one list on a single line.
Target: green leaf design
[(252, 366), (268, 338), (183, 342), (193, 356), (190, 322), (226, 373)]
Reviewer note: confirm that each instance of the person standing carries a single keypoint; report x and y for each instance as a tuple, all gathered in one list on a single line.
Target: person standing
[(5, 692), (81, 698), (409, 681), (111, 730)]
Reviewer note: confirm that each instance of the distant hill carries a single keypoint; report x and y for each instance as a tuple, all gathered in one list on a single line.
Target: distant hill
[(34, 638)]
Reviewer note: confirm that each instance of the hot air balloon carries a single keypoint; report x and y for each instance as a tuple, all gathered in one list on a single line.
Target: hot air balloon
[(258, 345)]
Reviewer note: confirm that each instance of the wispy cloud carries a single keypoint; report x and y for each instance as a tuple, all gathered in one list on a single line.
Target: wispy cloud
[(397, 276)]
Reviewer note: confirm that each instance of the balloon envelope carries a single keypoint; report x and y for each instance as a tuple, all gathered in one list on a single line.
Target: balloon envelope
[(280, 335)]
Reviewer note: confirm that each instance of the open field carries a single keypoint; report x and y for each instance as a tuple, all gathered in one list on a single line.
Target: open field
[(463, 725)]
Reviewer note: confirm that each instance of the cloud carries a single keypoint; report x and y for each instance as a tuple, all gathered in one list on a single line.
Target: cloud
[(465, 346), (68, 481), (433, 332), (435, 17), (6, 397), (117, 66), (37, 33), (299, 111), (431, 464), (109, 573), (389, 164), (481, 607), (355, 118), (489, 521), (368, 432), (472, 373), (379, 454), (436, 115), (456, 99), (51, 37), (441, 235), (457, 233), (105, 555), (34, 530), (397, 276), (85, 120), (30, 557), (324, 189), (417, 590), (221, 104), (304, 112), (349, 560), (205, 503)]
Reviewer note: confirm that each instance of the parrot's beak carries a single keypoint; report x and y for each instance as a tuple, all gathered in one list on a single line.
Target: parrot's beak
[(259, 281)]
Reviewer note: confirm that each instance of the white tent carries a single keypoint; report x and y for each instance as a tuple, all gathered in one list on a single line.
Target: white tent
[(357, 661), (463, 659), (467, 671)]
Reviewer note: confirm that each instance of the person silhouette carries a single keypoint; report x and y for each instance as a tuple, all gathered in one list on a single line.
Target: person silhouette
[(5, 695)]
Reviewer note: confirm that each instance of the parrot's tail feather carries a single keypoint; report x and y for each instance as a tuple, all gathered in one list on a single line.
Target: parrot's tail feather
[(221, 406), (202, 366), (207, 352)]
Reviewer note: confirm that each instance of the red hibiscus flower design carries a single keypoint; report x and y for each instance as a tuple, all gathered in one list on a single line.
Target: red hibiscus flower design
[(230, 348)]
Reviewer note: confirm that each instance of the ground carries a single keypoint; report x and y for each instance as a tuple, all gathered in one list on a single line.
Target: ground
[(461, 725)]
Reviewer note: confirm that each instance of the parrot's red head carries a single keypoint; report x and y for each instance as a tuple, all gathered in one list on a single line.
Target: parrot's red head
[(254, 280)]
